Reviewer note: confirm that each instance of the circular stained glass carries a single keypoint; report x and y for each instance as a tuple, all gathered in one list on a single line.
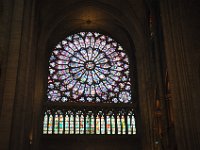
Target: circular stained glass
[(89, 67)]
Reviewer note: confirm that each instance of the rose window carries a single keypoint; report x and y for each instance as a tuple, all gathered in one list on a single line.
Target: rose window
[(89, 67)]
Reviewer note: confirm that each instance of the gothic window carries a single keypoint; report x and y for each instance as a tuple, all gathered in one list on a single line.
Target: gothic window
[(91, 70)]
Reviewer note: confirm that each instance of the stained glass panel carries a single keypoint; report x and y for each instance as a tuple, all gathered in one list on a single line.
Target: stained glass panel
[(81, 124), (129, 124), (108, 125), (45, 123), (119, 129), (102, 125), (123, 123), (55, 123), (71, 117), (87, 124), (92, 124), (50, 124), (77, 123), (61, 123), (113, 124), (97, 124), (66, 124), (133, 125), (73, 122), (89, 64)]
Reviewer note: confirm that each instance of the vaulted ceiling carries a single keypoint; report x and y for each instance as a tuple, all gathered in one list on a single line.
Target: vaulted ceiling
[(123, 20)]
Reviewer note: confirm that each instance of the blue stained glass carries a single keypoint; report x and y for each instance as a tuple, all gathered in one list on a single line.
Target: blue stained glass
[(60, 124), (79, 74), (89, 64), (66, 124), (71, 122), (88, 124), (77, 123), (129, 124)]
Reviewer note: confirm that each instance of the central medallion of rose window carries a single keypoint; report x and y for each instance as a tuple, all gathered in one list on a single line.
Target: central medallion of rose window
[(90, 65)]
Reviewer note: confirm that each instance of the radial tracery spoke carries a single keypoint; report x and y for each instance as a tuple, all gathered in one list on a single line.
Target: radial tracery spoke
[(80, 56), (79, 74), (89, 79), (103, 60), (89, 52), (82, 43), (73, 47), (100, 69), (77, 60), (84, 77), (95, 53), (87, 41), (81, 89), (100, 75), (95, 77), (84, 54), (100, 56)]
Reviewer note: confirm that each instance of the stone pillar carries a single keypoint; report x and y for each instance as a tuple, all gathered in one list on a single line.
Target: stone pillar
[(181, 25), (16, 110)]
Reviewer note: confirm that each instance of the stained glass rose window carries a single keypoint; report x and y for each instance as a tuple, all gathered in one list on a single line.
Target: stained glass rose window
[(89, 67)]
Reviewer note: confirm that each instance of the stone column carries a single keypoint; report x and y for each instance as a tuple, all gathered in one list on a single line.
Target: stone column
[(180, 29), (15, 119)]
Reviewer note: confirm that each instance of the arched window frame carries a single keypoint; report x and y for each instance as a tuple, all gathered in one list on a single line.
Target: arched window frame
[(115, 115)]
